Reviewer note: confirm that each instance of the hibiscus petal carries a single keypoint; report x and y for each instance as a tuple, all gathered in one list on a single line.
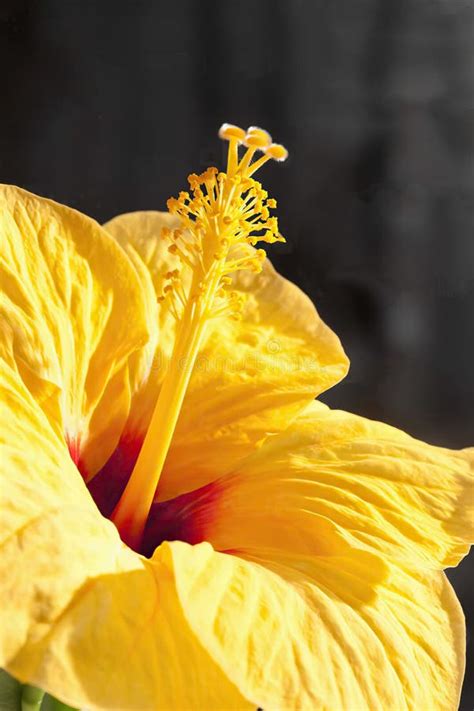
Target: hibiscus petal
[(72, 312), (251, 378), (336, 473), (342, 632), (82, 616), (345, 518), (99, 626)]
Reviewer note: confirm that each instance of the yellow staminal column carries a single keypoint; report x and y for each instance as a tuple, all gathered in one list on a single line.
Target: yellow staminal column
[(132, 510), (213, 223)]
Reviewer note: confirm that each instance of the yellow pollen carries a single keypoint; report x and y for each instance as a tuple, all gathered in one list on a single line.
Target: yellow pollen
[(222, 217)]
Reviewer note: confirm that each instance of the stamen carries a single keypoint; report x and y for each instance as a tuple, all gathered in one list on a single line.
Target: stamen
[(219, 227)]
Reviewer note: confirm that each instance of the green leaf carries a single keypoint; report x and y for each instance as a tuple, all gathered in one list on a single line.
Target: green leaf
[(10, 692), (15, 696), (52, 704), (31, 698)]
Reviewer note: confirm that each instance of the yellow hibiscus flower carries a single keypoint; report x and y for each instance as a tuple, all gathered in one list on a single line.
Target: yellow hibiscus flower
[(183, 525)]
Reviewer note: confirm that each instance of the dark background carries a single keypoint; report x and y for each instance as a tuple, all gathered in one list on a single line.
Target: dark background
[(108, 105)]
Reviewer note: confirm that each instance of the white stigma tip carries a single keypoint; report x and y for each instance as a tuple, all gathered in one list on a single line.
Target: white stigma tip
[(277, 152), (229, 131)]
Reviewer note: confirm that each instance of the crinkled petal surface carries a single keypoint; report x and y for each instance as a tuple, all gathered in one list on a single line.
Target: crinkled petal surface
[(72, 312), (350, 522), (251, 378), (310, 589), (379, 488), (340, 632), (83, 616), (300, 622)]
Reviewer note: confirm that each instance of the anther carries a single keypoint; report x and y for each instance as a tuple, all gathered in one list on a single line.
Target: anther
[(172, 204), (174, 274)]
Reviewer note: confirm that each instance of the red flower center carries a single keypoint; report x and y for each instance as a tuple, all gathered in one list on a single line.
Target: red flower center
[(181, 518)]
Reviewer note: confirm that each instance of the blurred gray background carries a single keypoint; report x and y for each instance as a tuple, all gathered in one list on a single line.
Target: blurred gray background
[(107, 106)]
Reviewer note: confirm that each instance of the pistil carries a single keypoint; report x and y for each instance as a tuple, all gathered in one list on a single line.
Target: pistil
[(219, 226)]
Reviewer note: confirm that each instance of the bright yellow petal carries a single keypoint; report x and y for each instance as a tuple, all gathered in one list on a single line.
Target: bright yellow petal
[(82, 616), (341, 632), (101, 627), (334, 475), (72, 312), (251, 377), (139, 235)]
